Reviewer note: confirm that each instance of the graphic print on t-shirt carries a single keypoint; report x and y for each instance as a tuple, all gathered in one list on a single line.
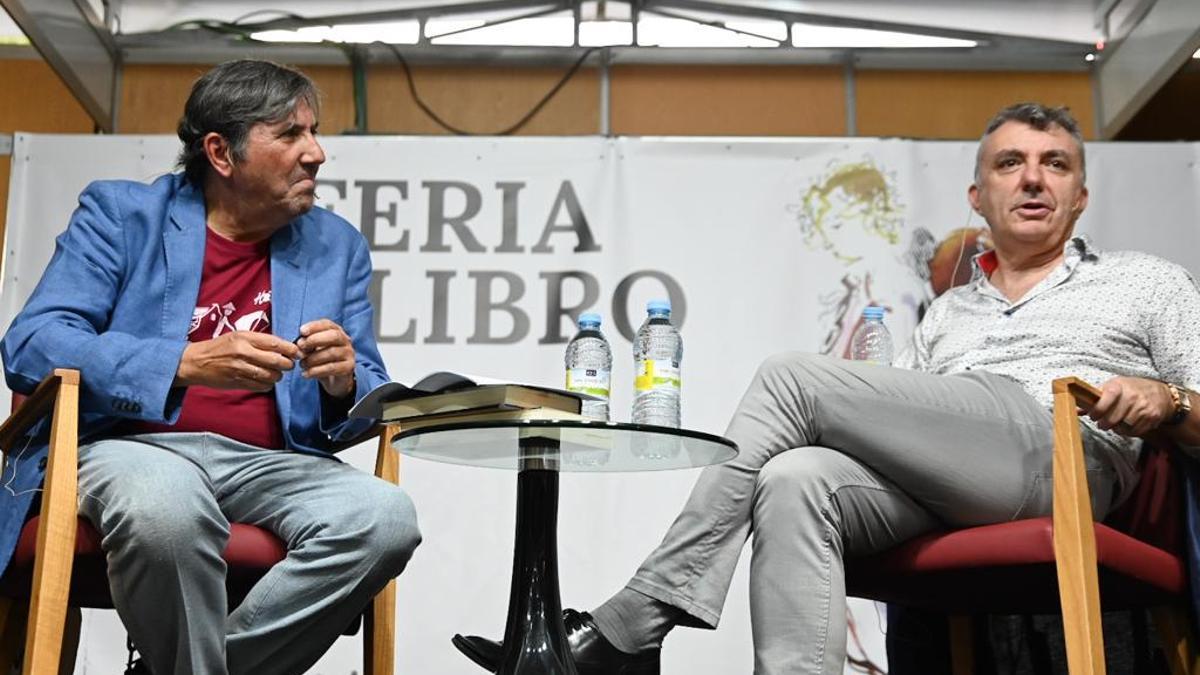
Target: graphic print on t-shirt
[(223, 318)]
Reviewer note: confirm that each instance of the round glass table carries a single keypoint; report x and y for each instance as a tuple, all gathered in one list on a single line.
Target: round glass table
[(534, 637)]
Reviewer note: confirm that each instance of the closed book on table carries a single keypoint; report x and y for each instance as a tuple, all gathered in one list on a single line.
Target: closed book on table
[(444, 391), (492, 414), (488, 397)]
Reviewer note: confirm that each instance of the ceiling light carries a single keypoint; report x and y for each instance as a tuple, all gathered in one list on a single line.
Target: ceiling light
[(605, 33), (393, 32), (542, 31), (833, 37), (667, 32)]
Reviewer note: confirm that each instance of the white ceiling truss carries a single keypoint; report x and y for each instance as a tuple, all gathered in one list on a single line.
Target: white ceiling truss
[(1130, 46)]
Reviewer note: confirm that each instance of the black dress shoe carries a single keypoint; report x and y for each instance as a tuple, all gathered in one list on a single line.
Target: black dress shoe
[(592, 652)]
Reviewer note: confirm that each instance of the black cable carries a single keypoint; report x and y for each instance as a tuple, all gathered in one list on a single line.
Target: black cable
[(412, 88), (243, 32)]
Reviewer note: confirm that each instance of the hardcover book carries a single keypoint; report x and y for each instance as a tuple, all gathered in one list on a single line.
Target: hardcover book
[(446, 392)]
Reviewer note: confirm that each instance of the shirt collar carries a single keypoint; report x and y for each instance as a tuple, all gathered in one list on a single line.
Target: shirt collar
[(1077, 248)]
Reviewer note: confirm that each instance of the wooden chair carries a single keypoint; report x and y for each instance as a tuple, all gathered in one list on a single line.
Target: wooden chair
[(59, 566), (1057, 563)]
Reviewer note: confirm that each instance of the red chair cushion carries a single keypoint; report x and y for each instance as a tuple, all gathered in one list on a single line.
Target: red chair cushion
[(1009, 568), (250, 552)]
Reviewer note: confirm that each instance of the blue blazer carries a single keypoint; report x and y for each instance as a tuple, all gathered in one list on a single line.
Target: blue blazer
[(116, 301)]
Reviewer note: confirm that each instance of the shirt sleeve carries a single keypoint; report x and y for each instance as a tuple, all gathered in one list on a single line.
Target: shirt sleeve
[(369, 370), (65, 322), (916, 355), (1174, 327)]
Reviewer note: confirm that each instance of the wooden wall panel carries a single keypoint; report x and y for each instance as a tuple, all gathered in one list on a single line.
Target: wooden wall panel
[(483, 99), (958, 104), (728, 100), (476, 98), (37, 101), (152, 96)]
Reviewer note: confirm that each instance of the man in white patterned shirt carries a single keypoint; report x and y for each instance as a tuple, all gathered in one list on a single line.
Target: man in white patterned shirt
[(841, 457)]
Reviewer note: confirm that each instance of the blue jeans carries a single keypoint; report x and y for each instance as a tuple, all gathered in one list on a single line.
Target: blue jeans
[(163, 504)]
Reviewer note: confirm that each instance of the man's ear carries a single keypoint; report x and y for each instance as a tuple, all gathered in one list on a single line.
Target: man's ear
[(973, 197), (1080, 203), (219, 153)]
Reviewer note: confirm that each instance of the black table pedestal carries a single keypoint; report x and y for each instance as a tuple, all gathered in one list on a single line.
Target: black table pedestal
[(535, 640)]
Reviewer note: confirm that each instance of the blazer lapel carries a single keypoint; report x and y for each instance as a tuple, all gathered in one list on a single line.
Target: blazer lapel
[(183, 241), (288, 287)]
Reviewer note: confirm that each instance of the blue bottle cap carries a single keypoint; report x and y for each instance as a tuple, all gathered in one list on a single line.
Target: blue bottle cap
[(658, 307), (589, 320), (873, 312)]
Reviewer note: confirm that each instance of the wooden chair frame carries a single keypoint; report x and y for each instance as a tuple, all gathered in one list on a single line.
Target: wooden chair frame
[(1075, 550), (51, 627), (1075, 558)]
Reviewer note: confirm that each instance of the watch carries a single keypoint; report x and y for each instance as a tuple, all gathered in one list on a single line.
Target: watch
[(1182, 403)]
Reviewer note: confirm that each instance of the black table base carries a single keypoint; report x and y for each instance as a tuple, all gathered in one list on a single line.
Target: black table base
[(535, 640)]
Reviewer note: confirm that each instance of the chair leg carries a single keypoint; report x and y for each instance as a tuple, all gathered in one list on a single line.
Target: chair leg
[(12, 633), (962, 645), (379, 633), (1178, 641)]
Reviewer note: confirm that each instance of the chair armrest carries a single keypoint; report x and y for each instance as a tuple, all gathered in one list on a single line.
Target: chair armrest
[(1074, 529), (38, 405), (56, 527), (1085, 395), (1072, 498), (387, 459)]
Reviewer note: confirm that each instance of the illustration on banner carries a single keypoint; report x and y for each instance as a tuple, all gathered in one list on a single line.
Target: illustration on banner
[(853, 209)]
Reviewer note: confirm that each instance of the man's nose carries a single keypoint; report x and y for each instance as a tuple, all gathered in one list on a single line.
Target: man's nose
[(314, 153), (1032, 179)]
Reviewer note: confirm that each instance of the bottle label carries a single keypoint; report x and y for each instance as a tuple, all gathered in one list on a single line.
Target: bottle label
[(588, 381), (653, 374)]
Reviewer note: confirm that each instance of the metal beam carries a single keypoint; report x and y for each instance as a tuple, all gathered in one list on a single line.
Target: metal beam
[(182, 47), (74, 41), (422, 12), (1132, 72), (717, 7)]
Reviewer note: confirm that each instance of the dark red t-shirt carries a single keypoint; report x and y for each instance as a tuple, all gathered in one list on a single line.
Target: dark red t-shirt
[(235, 294)]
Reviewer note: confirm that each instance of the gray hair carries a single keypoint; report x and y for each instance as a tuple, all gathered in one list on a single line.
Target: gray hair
[(230, 99), (1038, 116)]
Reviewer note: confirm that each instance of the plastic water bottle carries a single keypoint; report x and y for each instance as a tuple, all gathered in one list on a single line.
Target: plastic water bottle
[(657, 354), (589, 366), (872, 342)]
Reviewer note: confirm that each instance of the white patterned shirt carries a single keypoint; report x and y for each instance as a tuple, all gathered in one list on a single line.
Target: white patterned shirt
[(1099, 315)]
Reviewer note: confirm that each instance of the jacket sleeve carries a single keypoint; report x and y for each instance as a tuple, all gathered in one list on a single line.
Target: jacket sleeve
[(63, 324), (369, 371)]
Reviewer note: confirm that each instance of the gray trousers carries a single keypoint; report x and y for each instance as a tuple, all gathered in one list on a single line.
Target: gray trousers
[(163, 504), (843, 458)]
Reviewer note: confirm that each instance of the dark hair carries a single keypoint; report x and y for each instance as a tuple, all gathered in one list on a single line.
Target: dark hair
[(231, 98), (1039, 117)]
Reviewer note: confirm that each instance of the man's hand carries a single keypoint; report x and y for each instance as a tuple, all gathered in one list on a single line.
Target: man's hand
[(328, 356), (1132, 406), (237, 360)]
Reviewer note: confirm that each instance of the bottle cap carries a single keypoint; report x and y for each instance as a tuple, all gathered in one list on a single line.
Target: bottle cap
[(589, 320), (658, 307), (873, 312)]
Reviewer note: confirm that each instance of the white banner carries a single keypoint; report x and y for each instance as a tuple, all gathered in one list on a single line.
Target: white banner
[(482, 246)]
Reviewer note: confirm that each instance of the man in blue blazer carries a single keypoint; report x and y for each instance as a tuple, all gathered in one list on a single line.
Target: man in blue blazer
[(222, 330)]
